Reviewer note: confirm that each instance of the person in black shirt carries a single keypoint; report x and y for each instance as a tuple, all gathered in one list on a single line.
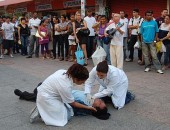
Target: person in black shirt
[(23, 34), (160, 20)]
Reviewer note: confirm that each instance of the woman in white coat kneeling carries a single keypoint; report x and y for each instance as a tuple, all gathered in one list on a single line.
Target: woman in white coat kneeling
[(113, 84), (55, 95)]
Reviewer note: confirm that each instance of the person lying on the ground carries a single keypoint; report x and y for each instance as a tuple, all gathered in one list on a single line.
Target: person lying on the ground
[(54, 96), (113, 83), (79, 96)]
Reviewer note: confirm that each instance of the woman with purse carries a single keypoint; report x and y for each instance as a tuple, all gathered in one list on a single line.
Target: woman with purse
[(23, 34), (80, 26), (44, 40), (101, 39), (163, 35)]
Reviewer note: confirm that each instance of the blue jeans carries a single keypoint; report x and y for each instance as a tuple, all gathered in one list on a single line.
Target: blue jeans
[(24, 41), (167, 55), (106, 48)]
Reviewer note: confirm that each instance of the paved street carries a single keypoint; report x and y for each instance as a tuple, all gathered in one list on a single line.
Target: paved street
[(150, 110)]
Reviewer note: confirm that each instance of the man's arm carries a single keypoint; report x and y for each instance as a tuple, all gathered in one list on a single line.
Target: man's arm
[(132, 26)]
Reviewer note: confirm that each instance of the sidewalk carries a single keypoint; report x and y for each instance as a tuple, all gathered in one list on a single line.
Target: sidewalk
[(150, 110)]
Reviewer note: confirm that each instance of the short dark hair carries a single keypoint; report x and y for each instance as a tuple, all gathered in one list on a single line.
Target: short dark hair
[(136, 10), (89, 10), (23, 19), (78, 71), (101, 113), (7, 17), (102, 16), (64, 16), (102, 67), (165, 9), (122, 11), (148, 12)]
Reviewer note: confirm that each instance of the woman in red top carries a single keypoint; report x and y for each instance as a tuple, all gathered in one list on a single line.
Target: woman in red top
[(43, 32)]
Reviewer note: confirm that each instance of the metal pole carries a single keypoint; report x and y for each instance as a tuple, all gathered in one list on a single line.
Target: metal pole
[(83, 8)]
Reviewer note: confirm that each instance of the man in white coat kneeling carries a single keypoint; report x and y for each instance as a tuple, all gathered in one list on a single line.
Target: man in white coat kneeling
[(113, 83)]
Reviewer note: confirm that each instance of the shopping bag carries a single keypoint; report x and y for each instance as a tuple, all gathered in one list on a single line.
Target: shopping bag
[(138, 45), (158, 46), (99, 55), (163, 48), (79, 55)]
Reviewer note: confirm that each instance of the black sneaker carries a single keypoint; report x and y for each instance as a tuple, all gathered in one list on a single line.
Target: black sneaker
[(17, 92), (133, 96), (29, 57)]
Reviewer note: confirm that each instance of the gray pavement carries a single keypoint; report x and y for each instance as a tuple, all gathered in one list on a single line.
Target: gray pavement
[(150, 110)]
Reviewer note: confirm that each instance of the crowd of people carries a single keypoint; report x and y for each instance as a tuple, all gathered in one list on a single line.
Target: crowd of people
[(58, 37)]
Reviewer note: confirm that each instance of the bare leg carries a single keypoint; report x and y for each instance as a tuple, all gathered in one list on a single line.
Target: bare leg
[(83, 46)]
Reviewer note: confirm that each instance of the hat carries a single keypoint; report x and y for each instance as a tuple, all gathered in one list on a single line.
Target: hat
[(101, 114), (45, 17)]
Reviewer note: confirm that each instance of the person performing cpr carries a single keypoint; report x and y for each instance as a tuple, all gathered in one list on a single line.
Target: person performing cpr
[(113, 85), (54, 97)]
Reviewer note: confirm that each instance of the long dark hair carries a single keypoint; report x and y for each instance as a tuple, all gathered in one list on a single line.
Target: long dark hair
[(78, 71)]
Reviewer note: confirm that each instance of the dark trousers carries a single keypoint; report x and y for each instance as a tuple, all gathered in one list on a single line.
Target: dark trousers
[(108, 99), (90, 46), (44, 46), (55, 43), (30, 96), (167, 55), (133, 40), (24, 41), (16, 47), (33, 41), (64, 45)]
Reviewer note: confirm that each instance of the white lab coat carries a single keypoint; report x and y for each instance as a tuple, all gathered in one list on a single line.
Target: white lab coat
[(53, 97), (114, 85)]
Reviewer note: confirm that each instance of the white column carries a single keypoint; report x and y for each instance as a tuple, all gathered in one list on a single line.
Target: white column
[(168, 4), (83, 2)]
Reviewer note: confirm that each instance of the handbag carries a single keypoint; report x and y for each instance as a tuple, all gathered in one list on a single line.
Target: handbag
[(107, 40), (99, 55), (38, 35), (138, 45), (84, 32), (79, 55)]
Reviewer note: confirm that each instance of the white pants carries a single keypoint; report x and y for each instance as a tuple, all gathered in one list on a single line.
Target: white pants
[(116, 56)]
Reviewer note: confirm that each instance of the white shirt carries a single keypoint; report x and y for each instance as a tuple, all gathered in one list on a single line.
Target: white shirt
[(34, 22), (118, 37), (8, 30), (136, 21), (53, 97), (115, 85), (56, 26), (63, 25), (165, 27), (125, 21), (90, 22)]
